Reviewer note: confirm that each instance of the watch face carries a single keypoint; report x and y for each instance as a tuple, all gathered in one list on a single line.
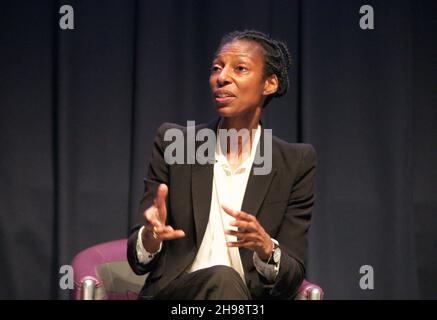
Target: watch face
[(277, 255)]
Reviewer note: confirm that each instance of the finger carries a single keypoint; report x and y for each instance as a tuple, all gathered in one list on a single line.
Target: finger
[(241, 244), (241, 235), (168, 229), (238, 214), (151, 216), (175, 234), (150, 213), (165, 232), (232, 213), (161, 194), (161, 229), (243, 225)]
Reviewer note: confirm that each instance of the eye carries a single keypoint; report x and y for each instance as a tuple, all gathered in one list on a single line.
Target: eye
[(241, 68), (215, 68)]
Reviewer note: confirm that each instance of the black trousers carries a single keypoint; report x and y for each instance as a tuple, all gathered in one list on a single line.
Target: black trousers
[(214, 283)]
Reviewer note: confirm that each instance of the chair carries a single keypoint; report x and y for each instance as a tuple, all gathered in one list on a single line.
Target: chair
[(102, 272)]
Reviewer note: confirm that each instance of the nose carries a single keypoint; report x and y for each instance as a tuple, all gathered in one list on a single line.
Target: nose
[(223, 77)]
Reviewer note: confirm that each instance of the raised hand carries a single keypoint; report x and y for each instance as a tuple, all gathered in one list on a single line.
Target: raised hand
[(156, 229), (250, 234)]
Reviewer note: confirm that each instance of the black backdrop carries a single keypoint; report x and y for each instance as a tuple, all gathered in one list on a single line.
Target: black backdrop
[(79, 108)]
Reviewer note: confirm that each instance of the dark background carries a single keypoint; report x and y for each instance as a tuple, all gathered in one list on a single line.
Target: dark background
[(79, 109)]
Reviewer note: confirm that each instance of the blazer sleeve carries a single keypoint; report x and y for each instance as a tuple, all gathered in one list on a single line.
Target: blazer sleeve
[(158, 173), (293, 233)]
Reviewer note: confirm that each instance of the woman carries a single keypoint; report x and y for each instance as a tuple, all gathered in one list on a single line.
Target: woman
[(219, 231)]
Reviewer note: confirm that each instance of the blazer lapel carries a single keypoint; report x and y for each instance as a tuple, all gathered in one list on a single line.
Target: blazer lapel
[(201, 191), (257, 185), (256, 191)]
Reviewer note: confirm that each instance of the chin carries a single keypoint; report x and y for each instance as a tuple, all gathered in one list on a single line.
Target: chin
[(224, 112), (225, 107)]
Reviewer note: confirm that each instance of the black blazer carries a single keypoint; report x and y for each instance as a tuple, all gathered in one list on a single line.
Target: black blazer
[(282, 202)]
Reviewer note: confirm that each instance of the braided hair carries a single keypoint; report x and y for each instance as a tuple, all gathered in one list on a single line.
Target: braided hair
[(276, 56)]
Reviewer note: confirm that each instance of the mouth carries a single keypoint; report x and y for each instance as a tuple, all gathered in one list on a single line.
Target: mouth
[(223, 97)]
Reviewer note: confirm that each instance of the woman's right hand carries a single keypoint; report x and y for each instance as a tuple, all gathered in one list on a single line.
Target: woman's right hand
[(156, 229)]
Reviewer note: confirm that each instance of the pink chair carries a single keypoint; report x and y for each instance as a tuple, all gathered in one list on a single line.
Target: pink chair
[(102, 272)]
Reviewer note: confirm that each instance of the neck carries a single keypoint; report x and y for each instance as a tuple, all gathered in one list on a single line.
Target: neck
[(248, 121)]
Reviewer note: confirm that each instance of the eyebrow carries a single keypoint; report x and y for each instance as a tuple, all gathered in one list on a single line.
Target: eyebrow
[(238, 55)]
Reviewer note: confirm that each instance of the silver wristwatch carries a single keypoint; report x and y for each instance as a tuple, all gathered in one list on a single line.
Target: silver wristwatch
[(275, 256)]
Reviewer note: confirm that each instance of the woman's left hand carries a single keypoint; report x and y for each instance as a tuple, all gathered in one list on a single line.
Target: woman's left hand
[(250, 234)]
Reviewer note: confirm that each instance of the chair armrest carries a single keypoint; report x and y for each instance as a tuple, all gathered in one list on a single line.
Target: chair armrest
[(88, 289), (87, 282), (309, 291)]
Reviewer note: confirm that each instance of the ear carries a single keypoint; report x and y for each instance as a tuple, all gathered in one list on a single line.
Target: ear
[(270, 85)]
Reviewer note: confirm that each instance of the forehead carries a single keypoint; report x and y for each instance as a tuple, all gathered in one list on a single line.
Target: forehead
[(241, 49)]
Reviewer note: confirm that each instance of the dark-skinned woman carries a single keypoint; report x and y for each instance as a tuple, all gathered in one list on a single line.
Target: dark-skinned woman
[(218, 230)]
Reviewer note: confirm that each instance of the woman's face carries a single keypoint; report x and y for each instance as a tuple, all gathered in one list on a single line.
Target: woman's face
[(237, 82)]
